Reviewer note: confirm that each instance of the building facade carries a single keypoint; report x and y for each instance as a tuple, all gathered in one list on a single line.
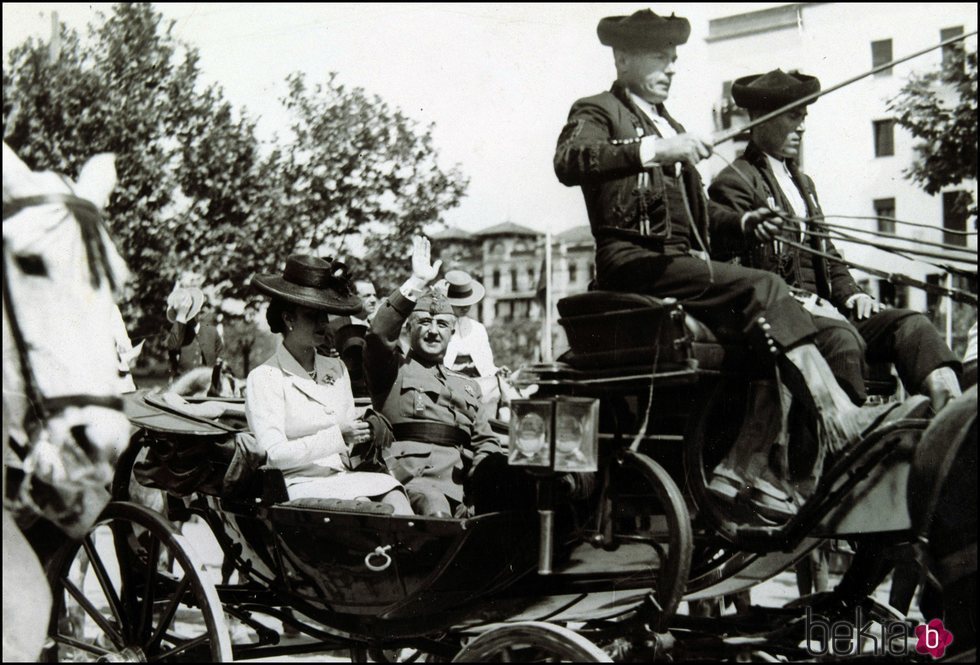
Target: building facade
[(853, 149), (508, 260)]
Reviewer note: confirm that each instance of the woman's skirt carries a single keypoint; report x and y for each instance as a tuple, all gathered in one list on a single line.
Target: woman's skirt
[(347, 485)]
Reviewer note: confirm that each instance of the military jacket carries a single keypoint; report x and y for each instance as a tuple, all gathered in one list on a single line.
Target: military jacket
[(407, 390)]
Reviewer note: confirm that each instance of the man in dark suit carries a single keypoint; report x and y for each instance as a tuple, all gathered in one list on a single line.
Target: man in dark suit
[(649, 215), (853, 327)]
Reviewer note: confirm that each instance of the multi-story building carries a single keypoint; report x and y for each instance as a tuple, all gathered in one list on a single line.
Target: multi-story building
[(508, 259), (853, 148)]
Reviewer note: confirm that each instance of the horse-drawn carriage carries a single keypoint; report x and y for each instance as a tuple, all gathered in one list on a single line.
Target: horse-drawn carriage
[(642, 407), (645, 403)]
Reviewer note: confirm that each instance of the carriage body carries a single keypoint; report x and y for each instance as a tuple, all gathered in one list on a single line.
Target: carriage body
[(647, 537)]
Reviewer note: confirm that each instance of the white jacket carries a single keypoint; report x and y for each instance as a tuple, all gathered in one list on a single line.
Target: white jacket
[(296, 421), (470, 339)]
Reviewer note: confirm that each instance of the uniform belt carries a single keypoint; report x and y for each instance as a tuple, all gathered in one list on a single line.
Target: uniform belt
[(431, 432)]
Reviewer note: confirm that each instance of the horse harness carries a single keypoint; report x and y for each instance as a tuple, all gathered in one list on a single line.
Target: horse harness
[(89, 219)]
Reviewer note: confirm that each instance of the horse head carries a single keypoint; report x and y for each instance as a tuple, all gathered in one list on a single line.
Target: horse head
[(61, 383)]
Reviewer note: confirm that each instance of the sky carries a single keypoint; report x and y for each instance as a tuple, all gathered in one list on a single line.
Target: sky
[(497, 80)]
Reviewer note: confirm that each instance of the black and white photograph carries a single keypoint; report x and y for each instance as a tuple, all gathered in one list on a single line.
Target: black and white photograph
[(490, 332)]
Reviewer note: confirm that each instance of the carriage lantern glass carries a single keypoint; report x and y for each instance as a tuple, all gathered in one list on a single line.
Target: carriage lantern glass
[(576, 434), (559, 433), (530, 433)]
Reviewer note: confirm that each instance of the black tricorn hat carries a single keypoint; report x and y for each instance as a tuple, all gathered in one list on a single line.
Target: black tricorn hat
[(312, 282), (768, 92), (643, 30)]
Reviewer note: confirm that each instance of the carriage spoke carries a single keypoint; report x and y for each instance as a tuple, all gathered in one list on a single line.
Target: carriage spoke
[(82, 646), (100, 573), (94, 613), (168, 615), (507, 655), (146, 618), (183, 646)]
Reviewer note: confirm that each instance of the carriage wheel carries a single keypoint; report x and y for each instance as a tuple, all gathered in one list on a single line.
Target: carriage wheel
[(531, 641), (117, 598), (668, 502)]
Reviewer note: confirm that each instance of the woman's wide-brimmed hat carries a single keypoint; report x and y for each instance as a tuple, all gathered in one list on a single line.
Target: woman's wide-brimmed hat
[(462, 289), (183, 304), (773, 90), (312, 282), (643, 31)]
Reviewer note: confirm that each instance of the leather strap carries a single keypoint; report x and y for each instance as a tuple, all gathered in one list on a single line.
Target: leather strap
[(439, 434)]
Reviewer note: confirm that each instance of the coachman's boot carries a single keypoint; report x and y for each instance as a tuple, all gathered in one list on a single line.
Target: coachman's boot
[(843, 423), (745, 473)]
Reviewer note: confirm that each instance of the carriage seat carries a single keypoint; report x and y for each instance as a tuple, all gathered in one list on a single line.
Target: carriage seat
[(182, 465), (609, 329), (614, 329)]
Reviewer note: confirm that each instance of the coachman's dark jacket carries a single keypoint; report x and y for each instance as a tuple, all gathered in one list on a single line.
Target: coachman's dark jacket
[(828, 279), (650, 208)]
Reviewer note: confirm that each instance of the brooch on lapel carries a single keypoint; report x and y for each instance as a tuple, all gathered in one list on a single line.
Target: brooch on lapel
[(469, 388)]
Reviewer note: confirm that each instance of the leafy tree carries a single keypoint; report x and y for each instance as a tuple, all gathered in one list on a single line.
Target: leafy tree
[(197, 190), (361, 174), (940, 108)]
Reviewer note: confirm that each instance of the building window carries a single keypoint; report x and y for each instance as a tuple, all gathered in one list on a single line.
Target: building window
[(884, 131), (951, 52), (572, 273), (513, 280), (956, 206), (892, 295), (496, 279), (530, 277), (881, 53), (885, 212)]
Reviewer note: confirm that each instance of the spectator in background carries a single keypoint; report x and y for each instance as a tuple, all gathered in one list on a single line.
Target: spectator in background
[(347, 336), (369, 296), (194, 340), (469, 349)]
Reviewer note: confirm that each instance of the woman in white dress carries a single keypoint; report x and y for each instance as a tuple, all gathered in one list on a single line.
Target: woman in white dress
[(299, 403)]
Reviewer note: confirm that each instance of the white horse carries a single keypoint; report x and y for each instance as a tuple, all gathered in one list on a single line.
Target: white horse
[(63, 425)]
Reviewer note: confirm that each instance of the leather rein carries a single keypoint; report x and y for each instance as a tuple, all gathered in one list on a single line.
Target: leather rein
[(89, 220)]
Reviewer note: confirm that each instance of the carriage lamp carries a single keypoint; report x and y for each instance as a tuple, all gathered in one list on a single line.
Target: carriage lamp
[(559, 433), (530, 433)]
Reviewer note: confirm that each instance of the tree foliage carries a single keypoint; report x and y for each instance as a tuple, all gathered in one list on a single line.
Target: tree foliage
[(940, 109), (197, 188)]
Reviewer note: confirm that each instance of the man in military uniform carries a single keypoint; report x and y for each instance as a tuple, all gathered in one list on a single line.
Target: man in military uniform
[(649, 215), (852, 326), (442, 435)]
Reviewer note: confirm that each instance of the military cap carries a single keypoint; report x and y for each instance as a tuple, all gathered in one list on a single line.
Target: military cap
[(768, 92), (433, 302), (643, 30)]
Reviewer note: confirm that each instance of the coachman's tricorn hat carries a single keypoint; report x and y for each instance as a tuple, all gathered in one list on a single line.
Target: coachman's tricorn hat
[(312, 282), (768, 92), (643, 31)]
